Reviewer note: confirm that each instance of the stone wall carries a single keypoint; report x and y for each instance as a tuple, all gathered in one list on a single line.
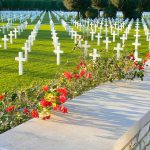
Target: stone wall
[(137, 138)]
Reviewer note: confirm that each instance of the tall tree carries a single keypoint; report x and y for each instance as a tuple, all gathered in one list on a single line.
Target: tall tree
[(144, 5), (77, 5), (129, 7), (99, 4)]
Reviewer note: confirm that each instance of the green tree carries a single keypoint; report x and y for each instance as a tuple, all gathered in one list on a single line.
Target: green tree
[(99, 5), (131, 8), (91, 13), (77, 5), (144, 5)]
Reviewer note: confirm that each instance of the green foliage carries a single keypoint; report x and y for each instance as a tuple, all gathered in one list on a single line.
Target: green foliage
[(99, 4), (144, 5), (32, 5), (110, 11), (77, 5), (85, 76), (91, 13), (132, 8)]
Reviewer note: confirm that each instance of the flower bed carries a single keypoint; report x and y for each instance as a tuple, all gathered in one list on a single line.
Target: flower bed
[(39, 102)]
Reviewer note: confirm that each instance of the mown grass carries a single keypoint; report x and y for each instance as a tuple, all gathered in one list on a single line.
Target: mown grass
[(41, 65)]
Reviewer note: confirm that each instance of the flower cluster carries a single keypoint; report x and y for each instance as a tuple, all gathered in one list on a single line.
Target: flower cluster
[(40, 102), (80, 72), (53, 99)]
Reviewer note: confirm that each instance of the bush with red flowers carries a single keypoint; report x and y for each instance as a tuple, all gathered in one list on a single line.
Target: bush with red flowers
[(40, 102)]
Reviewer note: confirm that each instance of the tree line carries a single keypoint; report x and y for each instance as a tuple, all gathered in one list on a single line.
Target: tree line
[(130, 8), (32, 5), (85, 8)]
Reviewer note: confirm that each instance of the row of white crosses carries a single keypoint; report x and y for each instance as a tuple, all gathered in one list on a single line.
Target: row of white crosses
[(14, 34), (118, 25), (137, 44), (114, 24), (147, 32), (74, 35), (85, 46), (107, 41), (27, 46), (56, 44)]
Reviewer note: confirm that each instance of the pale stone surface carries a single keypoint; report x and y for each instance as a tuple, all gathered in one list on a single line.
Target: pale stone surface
[(95, 120)]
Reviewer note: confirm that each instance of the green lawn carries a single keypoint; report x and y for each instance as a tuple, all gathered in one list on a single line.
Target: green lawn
[(41, 65)]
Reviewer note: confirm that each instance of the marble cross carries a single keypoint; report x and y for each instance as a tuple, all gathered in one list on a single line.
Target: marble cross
[(136, 44), (26, 50), (118, 49), (5, 39), (95, 55), (98, 36), (114, 36), (58, 52), (11, 37), (15, 31), (92, 34), (86, 46), (107, 43), (123, 38), (20, 59)]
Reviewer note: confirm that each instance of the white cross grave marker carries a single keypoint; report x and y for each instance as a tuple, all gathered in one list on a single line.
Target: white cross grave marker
[(98, 38), (107, 43), (5, 39), (11, 37), (15, 31), (114, 36), (118, 49), (20, 59), (123, 38), (92, 35), (26, 50), (58, 52), (86, 46), (95, 55)]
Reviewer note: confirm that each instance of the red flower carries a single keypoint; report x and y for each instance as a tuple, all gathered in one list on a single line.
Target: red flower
[(45, 88), (82, 72), (56, 107), (34, 114), (26, 111), (81, 64), (62, 91), (148, 55), (10, 108), (88, 75), (63, 109), (62, 99), (46, 117), (131, 57), (141, 68), (1, 97), (76, 76), (144, 61), (45, 103), (68, 75)]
